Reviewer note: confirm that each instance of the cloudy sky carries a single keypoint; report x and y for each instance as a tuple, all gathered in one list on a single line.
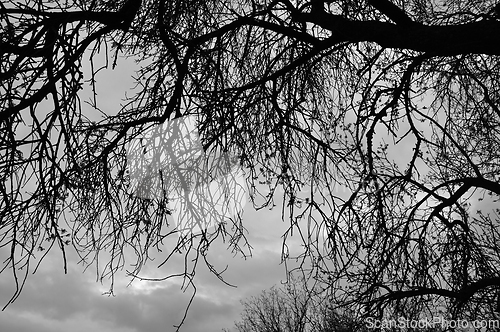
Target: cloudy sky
[(53, 301)]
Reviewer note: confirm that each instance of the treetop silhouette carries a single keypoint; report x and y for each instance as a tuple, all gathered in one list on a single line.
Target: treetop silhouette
[(378, 120)]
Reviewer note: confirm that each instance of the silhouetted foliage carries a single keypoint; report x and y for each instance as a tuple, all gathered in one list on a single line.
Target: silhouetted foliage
[(378, 120)]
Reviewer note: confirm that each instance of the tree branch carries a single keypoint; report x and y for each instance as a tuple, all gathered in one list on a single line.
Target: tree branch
[(463, 295), (396, 14), (481, 37)]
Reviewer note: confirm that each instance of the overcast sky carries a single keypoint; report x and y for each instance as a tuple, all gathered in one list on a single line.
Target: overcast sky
[(55, 302), (52, 301)]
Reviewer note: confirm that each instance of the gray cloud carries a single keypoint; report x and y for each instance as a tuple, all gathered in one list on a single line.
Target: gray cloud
[(52, 301)]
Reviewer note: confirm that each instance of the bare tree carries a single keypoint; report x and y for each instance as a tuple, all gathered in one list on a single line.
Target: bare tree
[(378, 119), (294, 307), (274, 310)]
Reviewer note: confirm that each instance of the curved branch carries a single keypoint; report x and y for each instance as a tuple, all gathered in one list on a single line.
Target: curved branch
[(463, 295)]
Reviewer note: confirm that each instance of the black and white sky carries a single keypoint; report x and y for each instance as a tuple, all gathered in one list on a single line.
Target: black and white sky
[(52, 301)]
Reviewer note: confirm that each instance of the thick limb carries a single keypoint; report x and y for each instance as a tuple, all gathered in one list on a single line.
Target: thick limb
[(393, 12)]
